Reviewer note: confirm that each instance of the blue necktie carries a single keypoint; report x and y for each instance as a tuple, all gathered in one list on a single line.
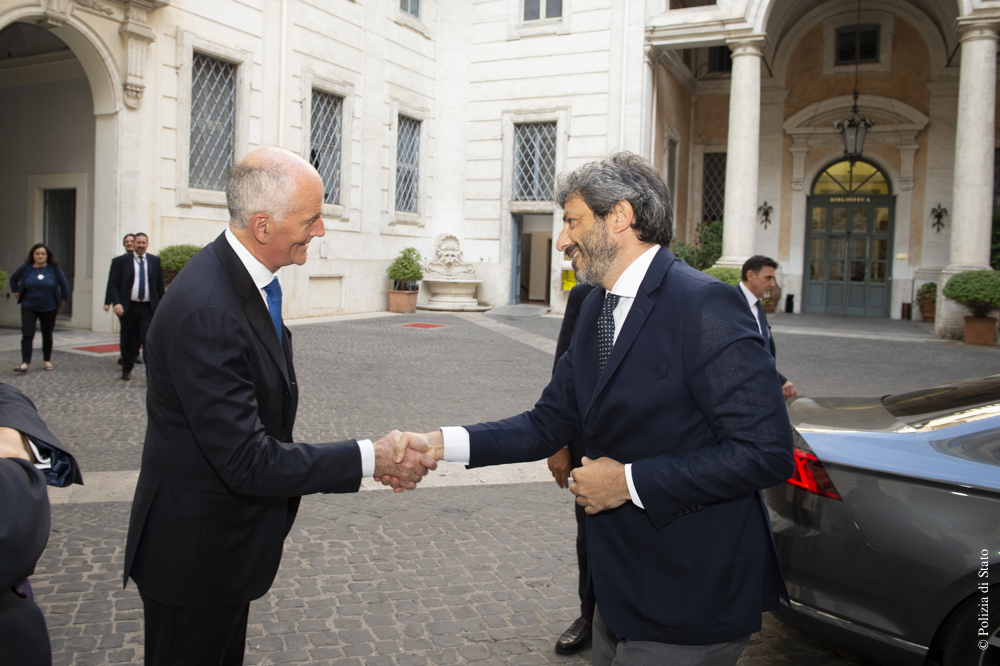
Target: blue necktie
[(142, 279), (606, 330), (273, 290), (762, 322)]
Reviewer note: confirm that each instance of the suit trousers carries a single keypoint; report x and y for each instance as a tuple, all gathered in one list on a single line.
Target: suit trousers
[(610, 650), (182, 636), (134, 325)]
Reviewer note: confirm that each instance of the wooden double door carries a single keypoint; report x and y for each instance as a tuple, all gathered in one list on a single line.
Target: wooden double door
[(848, 263)]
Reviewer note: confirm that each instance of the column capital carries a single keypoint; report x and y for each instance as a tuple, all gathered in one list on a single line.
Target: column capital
[(747, 45), (971, 28)]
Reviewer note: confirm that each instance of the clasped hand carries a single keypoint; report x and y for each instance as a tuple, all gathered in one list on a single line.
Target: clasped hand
[(400, 464), (425, 450)]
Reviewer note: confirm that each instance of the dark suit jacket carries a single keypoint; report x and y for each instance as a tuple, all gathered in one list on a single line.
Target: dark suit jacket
[(24, 531), (221, 477), (122, 275), (690, 396), (577, 295), (770, 338), (107, 289)]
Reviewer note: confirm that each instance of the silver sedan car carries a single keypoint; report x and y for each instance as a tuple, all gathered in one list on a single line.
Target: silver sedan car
[(889, 531)]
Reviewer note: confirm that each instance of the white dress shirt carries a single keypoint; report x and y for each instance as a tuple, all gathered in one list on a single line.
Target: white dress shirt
[(456, 439), (752, 301), (262, 276), (135, 278)]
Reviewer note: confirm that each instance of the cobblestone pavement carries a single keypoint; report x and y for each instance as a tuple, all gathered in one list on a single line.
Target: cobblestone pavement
[(444, 575)]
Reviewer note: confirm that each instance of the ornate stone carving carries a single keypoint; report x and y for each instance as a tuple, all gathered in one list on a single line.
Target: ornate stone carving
[(137, 36), (97, 6), (135, 14), (448, 260), (56, 13), (450, 281)]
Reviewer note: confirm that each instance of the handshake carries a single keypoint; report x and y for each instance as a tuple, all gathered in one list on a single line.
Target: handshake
[(402, 459)]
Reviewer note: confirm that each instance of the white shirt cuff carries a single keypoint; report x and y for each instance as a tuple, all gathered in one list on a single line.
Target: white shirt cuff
[(43, 461), (367, 457), (456, 445), (631, 487)]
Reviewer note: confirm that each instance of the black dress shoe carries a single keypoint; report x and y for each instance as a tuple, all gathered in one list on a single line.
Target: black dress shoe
[(126, 376), (575, 637)]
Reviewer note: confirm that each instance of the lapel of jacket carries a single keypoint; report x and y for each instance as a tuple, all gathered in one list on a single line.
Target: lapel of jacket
[(254, 308), (637, 315)]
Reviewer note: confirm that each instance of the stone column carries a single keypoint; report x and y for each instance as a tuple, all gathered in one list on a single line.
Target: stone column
[(972, 200), (743, 153)]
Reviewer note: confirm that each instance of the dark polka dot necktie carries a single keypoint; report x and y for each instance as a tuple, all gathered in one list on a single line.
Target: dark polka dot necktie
[(606, 330)]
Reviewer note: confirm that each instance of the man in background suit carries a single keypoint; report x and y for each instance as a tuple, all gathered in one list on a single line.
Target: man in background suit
[(136, 284), (127, 243), (560, 463), (30, 458), (668, 379), (757, 276), (221, 476)]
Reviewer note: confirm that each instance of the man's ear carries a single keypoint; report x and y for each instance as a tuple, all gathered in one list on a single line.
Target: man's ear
[(261, 226), (621, 217)]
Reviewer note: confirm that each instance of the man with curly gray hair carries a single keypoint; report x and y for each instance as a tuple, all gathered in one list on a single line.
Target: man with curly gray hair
[(668, 379)]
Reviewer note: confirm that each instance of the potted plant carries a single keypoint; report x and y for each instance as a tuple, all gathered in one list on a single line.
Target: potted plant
[(979, 291), (3, 280), (173, 258), (405, 273), (927, 300)]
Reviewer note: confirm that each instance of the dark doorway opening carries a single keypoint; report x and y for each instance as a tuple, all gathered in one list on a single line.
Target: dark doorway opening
[(60, 236)]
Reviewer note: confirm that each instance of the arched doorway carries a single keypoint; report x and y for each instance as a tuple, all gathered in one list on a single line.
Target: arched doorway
[(849, 223), (59, 104)]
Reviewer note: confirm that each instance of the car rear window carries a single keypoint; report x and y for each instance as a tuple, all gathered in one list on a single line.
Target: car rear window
[(962, 401)]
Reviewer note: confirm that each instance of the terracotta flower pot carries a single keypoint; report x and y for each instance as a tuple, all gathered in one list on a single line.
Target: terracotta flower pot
[(927, 311), (980, 330), (404, 302)]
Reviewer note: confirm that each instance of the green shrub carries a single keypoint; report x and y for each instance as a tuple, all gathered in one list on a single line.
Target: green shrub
[(927, 294), (175, 257), (405, 271), (687, 252), (706, 249), (3, 280), (727, 274), (978, 290)]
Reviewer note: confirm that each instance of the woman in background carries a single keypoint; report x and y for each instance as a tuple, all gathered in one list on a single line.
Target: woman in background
[(41, 288)]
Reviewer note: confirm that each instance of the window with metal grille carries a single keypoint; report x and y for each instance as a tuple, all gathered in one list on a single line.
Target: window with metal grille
[(534, 161), (713, 187), (411, 7), (325, 142), (213, 122), (539, 9), (407, 164), (857, 44), (720, 59)]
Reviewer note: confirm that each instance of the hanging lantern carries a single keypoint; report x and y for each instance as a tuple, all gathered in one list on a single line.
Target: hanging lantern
[(854, 129)]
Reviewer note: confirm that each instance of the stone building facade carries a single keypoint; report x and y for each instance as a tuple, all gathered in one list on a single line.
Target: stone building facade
[(432, 117)]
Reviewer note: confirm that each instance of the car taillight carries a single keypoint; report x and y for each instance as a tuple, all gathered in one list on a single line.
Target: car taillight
[(810, 476)]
